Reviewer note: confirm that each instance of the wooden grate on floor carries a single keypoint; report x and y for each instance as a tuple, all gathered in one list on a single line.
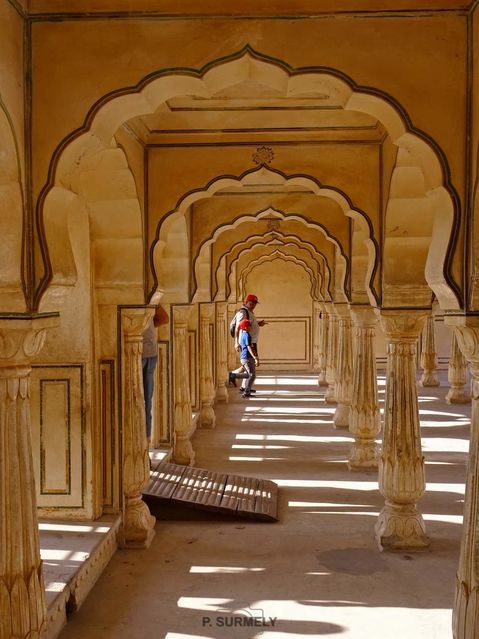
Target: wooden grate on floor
[(207, 490)]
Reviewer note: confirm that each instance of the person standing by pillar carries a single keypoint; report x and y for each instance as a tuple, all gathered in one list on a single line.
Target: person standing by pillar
[(149, 360), (248, 357), (247, 312)]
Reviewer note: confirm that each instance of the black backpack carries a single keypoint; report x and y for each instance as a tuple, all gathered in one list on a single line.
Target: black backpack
[(233, 321)]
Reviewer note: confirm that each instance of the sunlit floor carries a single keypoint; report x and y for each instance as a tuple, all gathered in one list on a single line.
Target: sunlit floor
[(317, 572)]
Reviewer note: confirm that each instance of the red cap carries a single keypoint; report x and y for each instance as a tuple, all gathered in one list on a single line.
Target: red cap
[(251, 298), (244, 324)]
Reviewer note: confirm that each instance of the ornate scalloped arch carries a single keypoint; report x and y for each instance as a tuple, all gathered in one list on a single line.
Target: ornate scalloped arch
[(200, 275), (286, 240), (114, 109), (12, 255), (285, 258)]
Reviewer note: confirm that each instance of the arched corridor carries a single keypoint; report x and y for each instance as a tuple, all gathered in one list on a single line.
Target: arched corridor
[(317, 571), (174, 158)]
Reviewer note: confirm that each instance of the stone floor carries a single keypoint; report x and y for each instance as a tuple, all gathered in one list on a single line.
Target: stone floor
[(317, 572)]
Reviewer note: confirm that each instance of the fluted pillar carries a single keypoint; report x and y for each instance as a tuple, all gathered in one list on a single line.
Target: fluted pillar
[(330, 394), (183, 452), (344, 370), (457, 375), (401, 465), (137, 529), (322, 346), (316, 335), (207, 386), (221, 352), (22, 593), (428, 355), (233, 357), (364, 418), (466, 605)]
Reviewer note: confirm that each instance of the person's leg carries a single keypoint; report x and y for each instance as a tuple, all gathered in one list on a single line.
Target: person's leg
[(255, 350), (149, 365), (237, 373), (250, 367)]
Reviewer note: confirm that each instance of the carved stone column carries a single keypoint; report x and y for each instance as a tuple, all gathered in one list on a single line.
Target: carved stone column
[(428, 355), (401, 466), (316, 334), (465, 619), (457, 375), (330, 394), (221, 352), (233, 357), (207, 386), (137, 529), (183, 452), (323, 346), (364, 418), (22, 592), (344, 370)]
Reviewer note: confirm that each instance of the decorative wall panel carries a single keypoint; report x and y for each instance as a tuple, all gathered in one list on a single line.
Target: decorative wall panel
[(107, 419), (57, 413), (294, 346)]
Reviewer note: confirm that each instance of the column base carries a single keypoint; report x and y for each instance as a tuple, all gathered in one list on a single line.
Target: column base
[(464, 621), (137, 529), (207, 416), (183, 452), (457, 396), (329, 396), (364, 455), (429, 379), (222, 395), (341, 416), (401, 528), (322, 379)]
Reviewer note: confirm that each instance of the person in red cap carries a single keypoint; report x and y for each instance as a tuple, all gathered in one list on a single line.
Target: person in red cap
[(248, 357), (247, 312)]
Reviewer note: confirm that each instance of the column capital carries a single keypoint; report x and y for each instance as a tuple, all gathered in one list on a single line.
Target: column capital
[(404, 325), (364, 316), (342, 311), (207, 311), (22, 337), (135, 320), (467, 334), (221, 308), (181, 314)]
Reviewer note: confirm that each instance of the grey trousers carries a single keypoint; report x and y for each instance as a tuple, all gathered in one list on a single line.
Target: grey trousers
[(249, 375)]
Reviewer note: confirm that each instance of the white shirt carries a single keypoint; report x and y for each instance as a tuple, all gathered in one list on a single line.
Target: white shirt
[(242, 314)]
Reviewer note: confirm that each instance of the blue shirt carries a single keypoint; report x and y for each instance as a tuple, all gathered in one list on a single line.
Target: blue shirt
[(244, 342)]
